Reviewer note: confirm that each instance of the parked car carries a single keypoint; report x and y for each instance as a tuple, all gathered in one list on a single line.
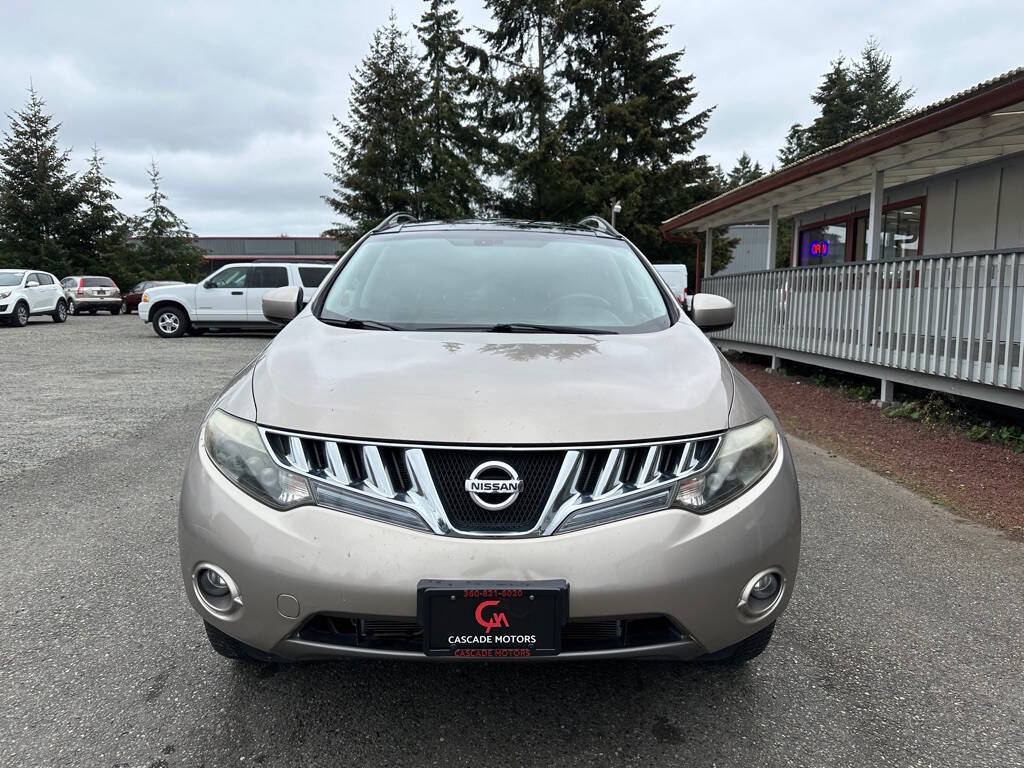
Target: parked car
[(490, 440), (91, 293), (675, 276), (229, 299), (24, 292), (130, 301)]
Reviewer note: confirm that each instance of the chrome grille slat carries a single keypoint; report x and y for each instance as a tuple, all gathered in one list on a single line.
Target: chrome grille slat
[(377, 475), (650, 465), (360, 467), (336, 469), (297, 454)]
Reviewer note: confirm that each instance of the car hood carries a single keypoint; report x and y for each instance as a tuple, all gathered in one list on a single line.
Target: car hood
[(490, 388), (160, 290)]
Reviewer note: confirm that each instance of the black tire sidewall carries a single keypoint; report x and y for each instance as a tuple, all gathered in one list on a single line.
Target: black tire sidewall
[(16, 317), (182, 322), (56, 312)]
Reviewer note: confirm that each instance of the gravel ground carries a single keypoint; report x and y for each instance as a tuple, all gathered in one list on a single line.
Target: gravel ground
[(981, 481), (901, 645), (99, 379)]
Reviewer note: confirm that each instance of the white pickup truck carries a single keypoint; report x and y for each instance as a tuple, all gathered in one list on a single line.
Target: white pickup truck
[(230, 298)]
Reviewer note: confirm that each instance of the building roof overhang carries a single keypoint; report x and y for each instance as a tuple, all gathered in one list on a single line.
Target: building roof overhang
[(977, 125)]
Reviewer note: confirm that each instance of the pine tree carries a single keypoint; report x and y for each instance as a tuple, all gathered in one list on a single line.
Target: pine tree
[(451, 186), (628, 125), (745, 171), (102, 231), (378, 153), (840, 105), (523, 52), (798, 145), (38, 192), (165, 247), (881, 98)]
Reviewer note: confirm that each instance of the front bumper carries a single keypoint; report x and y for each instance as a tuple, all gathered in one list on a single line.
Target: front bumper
[(690, 568)]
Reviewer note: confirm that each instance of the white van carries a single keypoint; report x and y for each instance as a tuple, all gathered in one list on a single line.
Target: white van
[(676, 278)]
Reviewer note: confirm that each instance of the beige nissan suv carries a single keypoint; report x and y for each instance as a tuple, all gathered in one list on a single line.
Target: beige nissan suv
[(490, 440)]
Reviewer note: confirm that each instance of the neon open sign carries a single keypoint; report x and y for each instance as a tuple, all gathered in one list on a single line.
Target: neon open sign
[(819, 248)]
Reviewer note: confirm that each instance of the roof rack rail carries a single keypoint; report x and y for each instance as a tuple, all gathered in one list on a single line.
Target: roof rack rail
[(596, 222), (401, 217)]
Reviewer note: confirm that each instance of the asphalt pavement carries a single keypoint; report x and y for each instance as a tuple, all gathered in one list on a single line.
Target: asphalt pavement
[(902, 644)]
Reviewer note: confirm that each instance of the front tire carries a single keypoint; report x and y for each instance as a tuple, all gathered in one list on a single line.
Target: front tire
[(20, 317), (72, 308), (170, 322), (124, 308), (60, 314), (230, 648)]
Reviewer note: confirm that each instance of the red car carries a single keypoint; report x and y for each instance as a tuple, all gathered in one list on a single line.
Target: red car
[(134, 296)]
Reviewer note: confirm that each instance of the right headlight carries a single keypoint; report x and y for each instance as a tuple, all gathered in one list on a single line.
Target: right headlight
[(236, 447), (744, 457)]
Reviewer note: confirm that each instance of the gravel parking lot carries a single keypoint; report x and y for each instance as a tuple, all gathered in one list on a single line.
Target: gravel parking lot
[(901, 646)]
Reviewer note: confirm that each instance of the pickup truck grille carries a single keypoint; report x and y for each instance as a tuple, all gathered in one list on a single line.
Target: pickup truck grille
[(432, 481)]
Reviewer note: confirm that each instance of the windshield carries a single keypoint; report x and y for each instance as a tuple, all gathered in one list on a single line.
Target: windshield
[(476, 280), (11, 278)]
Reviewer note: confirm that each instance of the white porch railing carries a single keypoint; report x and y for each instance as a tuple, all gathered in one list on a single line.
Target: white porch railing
[(945, 319)]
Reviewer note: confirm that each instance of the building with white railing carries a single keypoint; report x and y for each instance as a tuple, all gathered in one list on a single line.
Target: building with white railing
[(908, 251)]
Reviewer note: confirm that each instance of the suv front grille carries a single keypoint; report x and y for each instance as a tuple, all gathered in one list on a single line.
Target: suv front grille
[(536, 469), (429, 483)]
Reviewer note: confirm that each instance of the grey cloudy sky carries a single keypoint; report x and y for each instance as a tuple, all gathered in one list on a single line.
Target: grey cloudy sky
[(233, 99)]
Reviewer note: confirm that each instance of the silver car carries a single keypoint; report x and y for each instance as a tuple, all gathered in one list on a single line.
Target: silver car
[(91, 293), (490, 440)]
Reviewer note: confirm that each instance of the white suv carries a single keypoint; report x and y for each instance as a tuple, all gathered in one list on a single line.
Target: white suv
[(230, 298), (24, 293)]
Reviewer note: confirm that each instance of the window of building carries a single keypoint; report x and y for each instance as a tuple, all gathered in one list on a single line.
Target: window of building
[(901, 231), (823, 244), (846, 239)]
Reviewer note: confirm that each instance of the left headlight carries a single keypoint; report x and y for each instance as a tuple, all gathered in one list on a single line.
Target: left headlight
[(744, 457), (4, 294), (236, 447)]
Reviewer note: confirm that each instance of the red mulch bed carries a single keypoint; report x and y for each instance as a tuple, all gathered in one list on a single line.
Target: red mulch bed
[(981, 481)]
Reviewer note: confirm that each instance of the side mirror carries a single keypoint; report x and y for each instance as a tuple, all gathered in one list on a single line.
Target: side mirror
[(208, 284), (712, 313), (32, 284), (282, 304)]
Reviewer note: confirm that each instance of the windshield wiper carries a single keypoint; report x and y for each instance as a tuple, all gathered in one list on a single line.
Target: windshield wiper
[(541, 328), (351, 322)]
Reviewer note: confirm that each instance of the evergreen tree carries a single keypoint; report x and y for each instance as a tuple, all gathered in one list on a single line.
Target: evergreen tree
[(38, 192), (378, 154), (840, 104), (451, 186), (745, 171), (851, 99), (523, 54), (881, 98), (628, 126), (165, 248), (102, 231), (798, 145)]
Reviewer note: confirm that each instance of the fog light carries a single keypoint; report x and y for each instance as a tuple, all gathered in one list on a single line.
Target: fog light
[(212, 583), (215, 589), (765, 587), (762, 594)]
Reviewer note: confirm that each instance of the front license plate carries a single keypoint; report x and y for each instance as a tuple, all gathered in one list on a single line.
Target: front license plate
[(492, 619)]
